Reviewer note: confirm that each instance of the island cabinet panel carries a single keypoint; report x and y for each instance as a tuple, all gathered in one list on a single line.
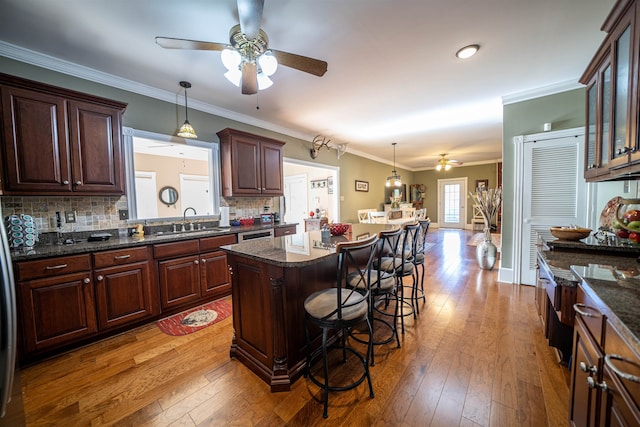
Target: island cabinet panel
[(56, 310), (251, 165), (268, 315), (59, 142)]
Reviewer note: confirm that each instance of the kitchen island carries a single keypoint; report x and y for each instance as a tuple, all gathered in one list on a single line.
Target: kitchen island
[(270, 280)]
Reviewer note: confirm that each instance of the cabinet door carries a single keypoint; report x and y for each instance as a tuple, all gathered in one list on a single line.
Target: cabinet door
[(35, 147), (271, 169), (586, 369), (123, 294), (96, 149), (246, 166), (179, 281), (617, 407), (215, 280), (57, 310)]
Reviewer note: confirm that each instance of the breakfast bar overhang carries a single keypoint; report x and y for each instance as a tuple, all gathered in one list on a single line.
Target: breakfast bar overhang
[(270, 280)]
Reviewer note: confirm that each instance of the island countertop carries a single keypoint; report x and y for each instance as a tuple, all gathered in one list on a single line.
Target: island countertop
[(301, 249)]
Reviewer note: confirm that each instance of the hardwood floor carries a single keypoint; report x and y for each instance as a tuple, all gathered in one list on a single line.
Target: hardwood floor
[(475, 356)]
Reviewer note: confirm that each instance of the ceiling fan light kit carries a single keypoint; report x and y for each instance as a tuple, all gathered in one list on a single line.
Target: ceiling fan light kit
[(186, 130), (445, 163), (394, 180)]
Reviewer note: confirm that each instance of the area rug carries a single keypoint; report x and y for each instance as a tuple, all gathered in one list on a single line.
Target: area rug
[(479, 237), (196, 318)]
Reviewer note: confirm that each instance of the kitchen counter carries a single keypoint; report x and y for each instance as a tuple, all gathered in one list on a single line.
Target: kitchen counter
[(53, 250), (300, 249)]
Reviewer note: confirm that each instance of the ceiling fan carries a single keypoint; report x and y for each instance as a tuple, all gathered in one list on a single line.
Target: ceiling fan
[(445, 163), (247, 55)]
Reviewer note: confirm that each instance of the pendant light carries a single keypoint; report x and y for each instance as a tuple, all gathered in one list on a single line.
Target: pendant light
[(186, 130), (394, 180)]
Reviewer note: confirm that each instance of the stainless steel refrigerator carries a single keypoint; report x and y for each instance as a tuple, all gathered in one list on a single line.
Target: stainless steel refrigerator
[(11, 405)]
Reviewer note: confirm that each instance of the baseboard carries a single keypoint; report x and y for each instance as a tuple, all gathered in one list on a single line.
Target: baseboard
[(505, 275)]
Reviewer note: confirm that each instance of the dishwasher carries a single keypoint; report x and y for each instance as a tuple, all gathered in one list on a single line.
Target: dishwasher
[(255, 235)]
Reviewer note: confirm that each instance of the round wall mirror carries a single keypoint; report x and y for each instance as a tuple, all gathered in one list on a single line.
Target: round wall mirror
[(168, 195)]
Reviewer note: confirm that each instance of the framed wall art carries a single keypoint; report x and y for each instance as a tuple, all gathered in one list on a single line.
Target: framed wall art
[(362, 185), (482, 184)]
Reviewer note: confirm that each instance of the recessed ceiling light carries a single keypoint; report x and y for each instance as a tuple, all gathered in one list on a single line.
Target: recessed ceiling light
[(467, 51)]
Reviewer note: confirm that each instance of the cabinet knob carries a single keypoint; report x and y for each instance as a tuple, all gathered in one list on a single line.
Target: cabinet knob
[(593, 370), (65, 182), (87, 280), (594, 384), (230, 270), (196, 262), (100, 277), (204, 261), (78, 183)]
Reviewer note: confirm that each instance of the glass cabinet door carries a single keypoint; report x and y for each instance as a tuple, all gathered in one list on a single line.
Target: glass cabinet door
[(590, 158), (621, 100), (605, 130)]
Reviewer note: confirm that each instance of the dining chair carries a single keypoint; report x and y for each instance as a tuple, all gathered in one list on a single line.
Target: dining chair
[(378, 217), (363, 215)]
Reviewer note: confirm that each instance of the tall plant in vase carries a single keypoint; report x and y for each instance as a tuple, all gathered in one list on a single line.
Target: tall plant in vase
[(488, 201)]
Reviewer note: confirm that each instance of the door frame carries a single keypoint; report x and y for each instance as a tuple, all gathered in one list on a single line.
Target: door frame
[(335, 170), (518, 213), (463, 200)]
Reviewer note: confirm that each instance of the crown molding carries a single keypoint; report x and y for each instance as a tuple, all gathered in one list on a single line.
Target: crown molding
[(72, 69), (542, 91)]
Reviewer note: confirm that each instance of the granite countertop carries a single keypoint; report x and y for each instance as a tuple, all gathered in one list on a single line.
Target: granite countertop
[(300, 249), (115, 242), (618, 294)]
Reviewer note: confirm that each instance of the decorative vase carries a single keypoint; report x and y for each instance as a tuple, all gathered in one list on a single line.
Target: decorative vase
[(486, 252)]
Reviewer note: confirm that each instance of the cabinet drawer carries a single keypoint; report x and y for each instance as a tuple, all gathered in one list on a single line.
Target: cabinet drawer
[(211, 243), (627, 363), (168, 250), (119, 256), (284, 231), (592, 317), (27, 270)]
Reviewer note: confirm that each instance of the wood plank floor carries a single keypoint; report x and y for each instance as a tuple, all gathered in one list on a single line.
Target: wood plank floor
[(475, 356)]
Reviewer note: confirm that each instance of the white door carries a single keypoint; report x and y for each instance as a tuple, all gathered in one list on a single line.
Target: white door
[(146, 195), (195, 192), (554, 193), (451, 197), (295, 200)]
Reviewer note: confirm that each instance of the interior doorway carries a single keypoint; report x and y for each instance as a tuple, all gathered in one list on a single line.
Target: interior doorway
[(451, 202)]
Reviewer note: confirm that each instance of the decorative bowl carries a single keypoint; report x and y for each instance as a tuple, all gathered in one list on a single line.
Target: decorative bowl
[(570, 233), (338, 229), (246, 221)]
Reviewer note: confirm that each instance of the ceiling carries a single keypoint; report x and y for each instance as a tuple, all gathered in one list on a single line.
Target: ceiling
[(392, 74)]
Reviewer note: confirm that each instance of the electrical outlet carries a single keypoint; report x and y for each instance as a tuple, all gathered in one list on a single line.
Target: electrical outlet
[(70, 217), (123, 214)]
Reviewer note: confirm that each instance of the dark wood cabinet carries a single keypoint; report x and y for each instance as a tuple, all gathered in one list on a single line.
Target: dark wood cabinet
[(56, 301), (124, 285), (193, 270), (59, 142), (612, 79), (285, 231), (251, 164), (585, 375)]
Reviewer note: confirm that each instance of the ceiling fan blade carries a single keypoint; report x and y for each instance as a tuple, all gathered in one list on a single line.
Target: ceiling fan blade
[(249, 82), (302, 63), (454, 162), (250, 16), (171, 43)]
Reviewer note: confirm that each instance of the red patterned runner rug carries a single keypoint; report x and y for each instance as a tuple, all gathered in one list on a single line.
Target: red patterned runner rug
[(196, 318)]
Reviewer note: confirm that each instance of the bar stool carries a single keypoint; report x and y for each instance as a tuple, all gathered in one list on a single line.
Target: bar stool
[(383, 287), (340, 309), (418, 261)]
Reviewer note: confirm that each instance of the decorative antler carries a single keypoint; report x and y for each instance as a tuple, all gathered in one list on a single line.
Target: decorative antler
[(318, 142)]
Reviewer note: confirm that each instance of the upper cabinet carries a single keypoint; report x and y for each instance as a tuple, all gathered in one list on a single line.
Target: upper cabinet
[(59, 142), (251, 164), (612, 77)]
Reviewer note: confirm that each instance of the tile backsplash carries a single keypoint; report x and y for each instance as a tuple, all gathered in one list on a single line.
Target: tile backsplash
[(92, 213), (101, 213)]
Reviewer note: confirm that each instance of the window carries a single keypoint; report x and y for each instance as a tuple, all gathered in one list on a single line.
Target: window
[(155, 161)]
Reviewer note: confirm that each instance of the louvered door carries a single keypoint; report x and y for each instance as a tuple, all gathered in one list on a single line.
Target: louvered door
[(554, 193)]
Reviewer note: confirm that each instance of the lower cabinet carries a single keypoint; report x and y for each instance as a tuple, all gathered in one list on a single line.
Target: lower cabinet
[(585, 374), (179, 281), (125, 289), (56, 300)]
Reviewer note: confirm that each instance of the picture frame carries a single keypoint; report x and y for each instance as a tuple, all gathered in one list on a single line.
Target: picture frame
[(482, 184), (330, 185), (317, 184), (362, 185)]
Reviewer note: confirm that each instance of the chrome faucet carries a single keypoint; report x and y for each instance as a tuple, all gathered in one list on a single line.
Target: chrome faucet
[(184, 217)]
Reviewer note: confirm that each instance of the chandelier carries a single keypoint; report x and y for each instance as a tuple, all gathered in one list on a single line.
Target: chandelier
[(394, 180)]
